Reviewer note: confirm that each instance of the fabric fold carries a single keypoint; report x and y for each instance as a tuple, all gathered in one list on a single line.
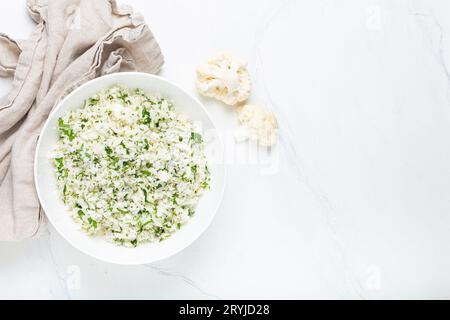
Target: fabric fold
[(10, 52)]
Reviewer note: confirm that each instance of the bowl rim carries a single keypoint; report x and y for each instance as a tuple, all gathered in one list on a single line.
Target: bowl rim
[(99, 79)]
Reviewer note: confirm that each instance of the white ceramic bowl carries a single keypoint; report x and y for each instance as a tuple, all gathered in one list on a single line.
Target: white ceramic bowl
[(95, 246)]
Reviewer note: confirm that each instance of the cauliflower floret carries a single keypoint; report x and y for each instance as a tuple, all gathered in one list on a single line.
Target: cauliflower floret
[(258, 124), (225, 78)]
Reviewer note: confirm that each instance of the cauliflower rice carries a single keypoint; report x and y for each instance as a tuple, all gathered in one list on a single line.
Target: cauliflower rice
[(129, 167)]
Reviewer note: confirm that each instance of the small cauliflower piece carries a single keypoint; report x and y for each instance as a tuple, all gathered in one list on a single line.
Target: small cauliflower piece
[(225, 78), (258, 124)]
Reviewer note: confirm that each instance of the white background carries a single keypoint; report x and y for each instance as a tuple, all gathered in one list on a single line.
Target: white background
[(359, 203)]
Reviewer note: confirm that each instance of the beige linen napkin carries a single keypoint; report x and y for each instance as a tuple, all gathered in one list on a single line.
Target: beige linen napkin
[(74, 41)]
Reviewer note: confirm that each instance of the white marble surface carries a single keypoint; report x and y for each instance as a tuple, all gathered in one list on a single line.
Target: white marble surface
[(357, 203)]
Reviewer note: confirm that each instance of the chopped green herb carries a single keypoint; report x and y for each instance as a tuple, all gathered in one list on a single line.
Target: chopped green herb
[(146, 145), (174, 199), (139, 91), (124, 97), (123, 146), (196, 137), (142, 225), (204, 185), (93, 101), (92, 222), (60, 162), (108, 150), (145, 195), (65, 130), (146, 118)]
